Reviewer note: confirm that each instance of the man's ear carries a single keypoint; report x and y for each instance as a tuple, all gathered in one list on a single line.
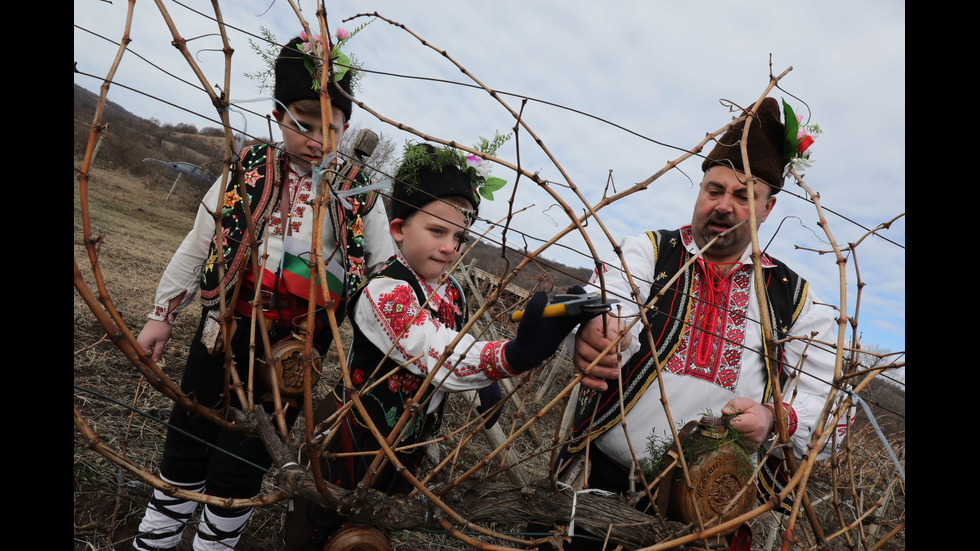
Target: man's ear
[(277, 114), (770, 203)]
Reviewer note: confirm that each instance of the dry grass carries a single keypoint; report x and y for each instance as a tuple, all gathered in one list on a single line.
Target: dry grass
[(138, 232)]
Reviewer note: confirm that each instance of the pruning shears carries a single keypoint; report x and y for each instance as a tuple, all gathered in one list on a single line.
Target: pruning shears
[(571, 305)]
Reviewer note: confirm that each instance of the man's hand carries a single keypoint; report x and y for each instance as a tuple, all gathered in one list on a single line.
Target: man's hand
[(753, 419), (154, 337), (590, 341)]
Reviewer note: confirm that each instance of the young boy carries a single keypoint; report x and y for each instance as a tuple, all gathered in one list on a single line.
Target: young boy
[(278, 179), (403, 319)]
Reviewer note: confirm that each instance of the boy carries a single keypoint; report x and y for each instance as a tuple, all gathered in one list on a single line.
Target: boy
[(403, 319), (278, 179)]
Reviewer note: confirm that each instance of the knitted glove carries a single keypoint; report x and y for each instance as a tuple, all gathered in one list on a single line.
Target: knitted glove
[(537, 337), (489, 397)]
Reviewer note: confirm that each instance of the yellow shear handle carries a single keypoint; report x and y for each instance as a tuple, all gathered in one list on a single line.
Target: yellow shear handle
[(550, 311)]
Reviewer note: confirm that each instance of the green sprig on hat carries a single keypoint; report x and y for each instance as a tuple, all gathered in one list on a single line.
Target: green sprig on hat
[(474, 168)]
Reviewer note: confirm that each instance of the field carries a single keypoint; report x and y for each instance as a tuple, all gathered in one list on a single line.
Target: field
[(137, 231)]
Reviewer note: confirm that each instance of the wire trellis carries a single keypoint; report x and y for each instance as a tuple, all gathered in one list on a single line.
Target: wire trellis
[(443, 498)]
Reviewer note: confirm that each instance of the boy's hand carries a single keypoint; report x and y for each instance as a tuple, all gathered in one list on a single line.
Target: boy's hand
[(490, 396), (539, 337), (154, 337)]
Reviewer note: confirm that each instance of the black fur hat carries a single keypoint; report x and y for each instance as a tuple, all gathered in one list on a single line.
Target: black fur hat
[(295, 81), (767, 136), (427, 174)]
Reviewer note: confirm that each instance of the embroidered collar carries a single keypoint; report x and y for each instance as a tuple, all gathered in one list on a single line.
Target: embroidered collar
[(436, 295), (440, 298), (687, 239)]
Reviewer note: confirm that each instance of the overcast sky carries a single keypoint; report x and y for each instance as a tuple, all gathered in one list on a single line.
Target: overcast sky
[(656, 69)]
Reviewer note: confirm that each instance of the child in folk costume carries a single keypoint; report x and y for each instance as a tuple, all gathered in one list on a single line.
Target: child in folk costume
[(279, 182), (404, 319)]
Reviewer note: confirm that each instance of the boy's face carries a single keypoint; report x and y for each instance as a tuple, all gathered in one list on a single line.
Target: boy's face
[(430, 239), (304, 144)]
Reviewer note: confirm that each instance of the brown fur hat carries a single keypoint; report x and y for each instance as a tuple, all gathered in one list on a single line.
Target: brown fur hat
[(765, 148)]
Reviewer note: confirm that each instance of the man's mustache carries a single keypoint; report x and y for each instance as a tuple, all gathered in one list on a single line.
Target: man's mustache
[(722, 220)]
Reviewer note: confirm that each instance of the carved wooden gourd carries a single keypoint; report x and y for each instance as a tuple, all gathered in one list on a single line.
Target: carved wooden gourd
[(719, 469), (358, 538)]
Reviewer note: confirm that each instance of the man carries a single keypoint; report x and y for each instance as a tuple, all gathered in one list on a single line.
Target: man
[(705, 329)]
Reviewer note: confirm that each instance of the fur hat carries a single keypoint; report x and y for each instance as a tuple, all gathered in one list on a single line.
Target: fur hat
[(295, 80), (765, 148), (427, 174)]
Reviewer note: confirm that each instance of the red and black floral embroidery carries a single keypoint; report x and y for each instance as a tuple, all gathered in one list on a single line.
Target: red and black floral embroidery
[(400, 310), (712, 344)]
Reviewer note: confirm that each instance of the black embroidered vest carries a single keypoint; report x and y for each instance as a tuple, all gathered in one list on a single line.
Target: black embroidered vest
[(264, 169), (385, 403), (786, 293)]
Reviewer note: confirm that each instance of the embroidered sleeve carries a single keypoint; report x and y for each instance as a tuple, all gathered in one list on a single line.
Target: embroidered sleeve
[(378, 247), (792, 419), (181, 280), (390, 316), (813, 369)]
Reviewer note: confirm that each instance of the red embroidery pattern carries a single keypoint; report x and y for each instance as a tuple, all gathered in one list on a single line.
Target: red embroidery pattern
[(711, 347), (844, 423), (400, 310), (792, 420), (300, 189), (492, 361), (448, 311), (252, 176), (404, 382), (595, 273)]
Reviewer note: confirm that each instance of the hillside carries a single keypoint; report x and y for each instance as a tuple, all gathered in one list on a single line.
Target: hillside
[(132, 139)]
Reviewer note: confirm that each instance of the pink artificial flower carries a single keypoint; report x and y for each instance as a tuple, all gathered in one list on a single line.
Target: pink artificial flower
[(473, 160), (343, 34), (802, 129), (308, 45)]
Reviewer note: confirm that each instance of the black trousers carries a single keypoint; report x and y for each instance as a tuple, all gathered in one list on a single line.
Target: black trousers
[(309, 525), (196, 449)]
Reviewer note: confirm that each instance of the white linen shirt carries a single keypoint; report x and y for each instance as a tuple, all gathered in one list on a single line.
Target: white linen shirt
[(689, 394), (388, 313)]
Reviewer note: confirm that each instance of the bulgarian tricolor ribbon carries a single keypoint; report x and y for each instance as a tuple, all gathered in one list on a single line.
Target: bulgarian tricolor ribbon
[(296, 271)]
